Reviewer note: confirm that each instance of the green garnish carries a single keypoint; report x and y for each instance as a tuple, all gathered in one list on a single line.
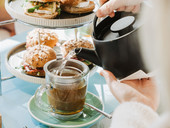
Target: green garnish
[(20, 67), (87, 62), (26, 0), (38, 73), (31, 10), (17, 67), (59, 11)]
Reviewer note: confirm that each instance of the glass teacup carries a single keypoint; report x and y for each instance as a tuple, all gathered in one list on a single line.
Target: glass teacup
[(65, 92)]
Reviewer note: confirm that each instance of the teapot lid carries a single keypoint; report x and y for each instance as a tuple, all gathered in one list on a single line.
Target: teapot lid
[(122, 24)]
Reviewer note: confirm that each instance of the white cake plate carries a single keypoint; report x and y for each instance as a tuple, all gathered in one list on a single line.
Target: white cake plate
[(14, 59), (13, 63), (65, 20)]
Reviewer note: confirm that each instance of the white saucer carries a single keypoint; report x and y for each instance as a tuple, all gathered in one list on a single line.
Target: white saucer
[(88, 118), (13, 63)]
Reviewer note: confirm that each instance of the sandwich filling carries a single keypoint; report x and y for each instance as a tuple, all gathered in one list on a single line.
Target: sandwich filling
[(28, 69), (43, 7)]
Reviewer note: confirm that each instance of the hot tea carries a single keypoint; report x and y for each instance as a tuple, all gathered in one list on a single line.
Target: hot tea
[(67, 98), (65, 89)]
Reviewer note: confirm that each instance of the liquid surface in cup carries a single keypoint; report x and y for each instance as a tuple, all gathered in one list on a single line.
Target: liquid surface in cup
[(67, 98)]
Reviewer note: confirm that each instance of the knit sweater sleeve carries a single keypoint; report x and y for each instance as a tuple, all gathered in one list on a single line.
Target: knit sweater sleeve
[(133, 115)]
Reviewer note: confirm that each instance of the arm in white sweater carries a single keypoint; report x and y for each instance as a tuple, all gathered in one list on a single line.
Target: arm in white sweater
[(133, 115)]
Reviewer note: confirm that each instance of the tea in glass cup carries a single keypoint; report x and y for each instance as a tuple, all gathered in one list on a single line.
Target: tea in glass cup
[(66, 90)]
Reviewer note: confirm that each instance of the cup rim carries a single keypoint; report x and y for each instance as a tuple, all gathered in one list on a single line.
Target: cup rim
[(85, 71)]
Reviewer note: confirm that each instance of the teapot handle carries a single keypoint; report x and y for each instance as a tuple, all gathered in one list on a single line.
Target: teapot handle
[(96, 19), (117, 20), (95, 24)]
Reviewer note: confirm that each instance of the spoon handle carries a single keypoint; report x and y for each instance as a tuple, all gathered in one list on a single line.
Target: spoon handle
[(100, 111)]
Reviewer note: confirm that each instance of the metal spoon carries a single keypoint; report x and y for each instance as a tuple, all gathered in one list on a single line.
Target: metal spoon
[(100, 111)]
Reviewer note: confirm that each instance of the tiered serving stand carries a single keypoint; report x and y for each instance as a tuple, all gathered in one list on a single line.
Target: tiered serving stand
[(64, 21)]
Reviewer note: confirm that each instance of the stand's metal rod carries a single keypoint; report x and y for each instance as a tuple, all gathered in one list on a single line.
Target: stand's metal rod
[(3, 79), (7, 78), (7, 22)]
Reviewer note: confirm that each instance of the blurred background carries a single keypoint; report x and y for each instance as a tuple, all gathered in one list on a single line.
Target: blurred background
[(6, 30)]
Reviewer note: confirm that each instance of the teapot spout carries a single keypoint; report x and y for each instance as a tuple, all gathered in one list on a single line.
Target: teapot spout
[(89, 55)]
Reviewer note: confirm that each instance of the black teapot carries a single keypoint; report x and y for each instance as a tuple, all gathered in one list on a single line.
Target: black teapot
[(117, 47)]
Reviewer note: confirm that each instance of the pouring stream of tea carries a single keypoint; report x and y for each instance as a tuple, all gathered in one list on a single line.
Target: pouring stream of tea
[(69, 55), (64, 61)]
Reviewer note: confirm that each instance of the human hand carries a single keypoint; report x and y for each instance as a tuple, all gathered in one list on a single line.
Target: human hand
[(143, 91), (109, 6)]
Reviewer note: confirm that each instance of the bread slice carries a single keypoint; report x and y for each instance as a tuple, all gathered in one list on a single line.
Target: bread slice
[(42, 15), (70, 2), (79, 10), (47, 37), (72, 44), (38, 56), (45, 0)]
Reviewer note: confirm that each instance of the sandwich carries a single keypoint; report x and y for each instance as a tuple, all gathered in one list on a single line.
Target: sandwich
[(48, 9), (46, 37), (77, 6), (35, 58), (70, 45)]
